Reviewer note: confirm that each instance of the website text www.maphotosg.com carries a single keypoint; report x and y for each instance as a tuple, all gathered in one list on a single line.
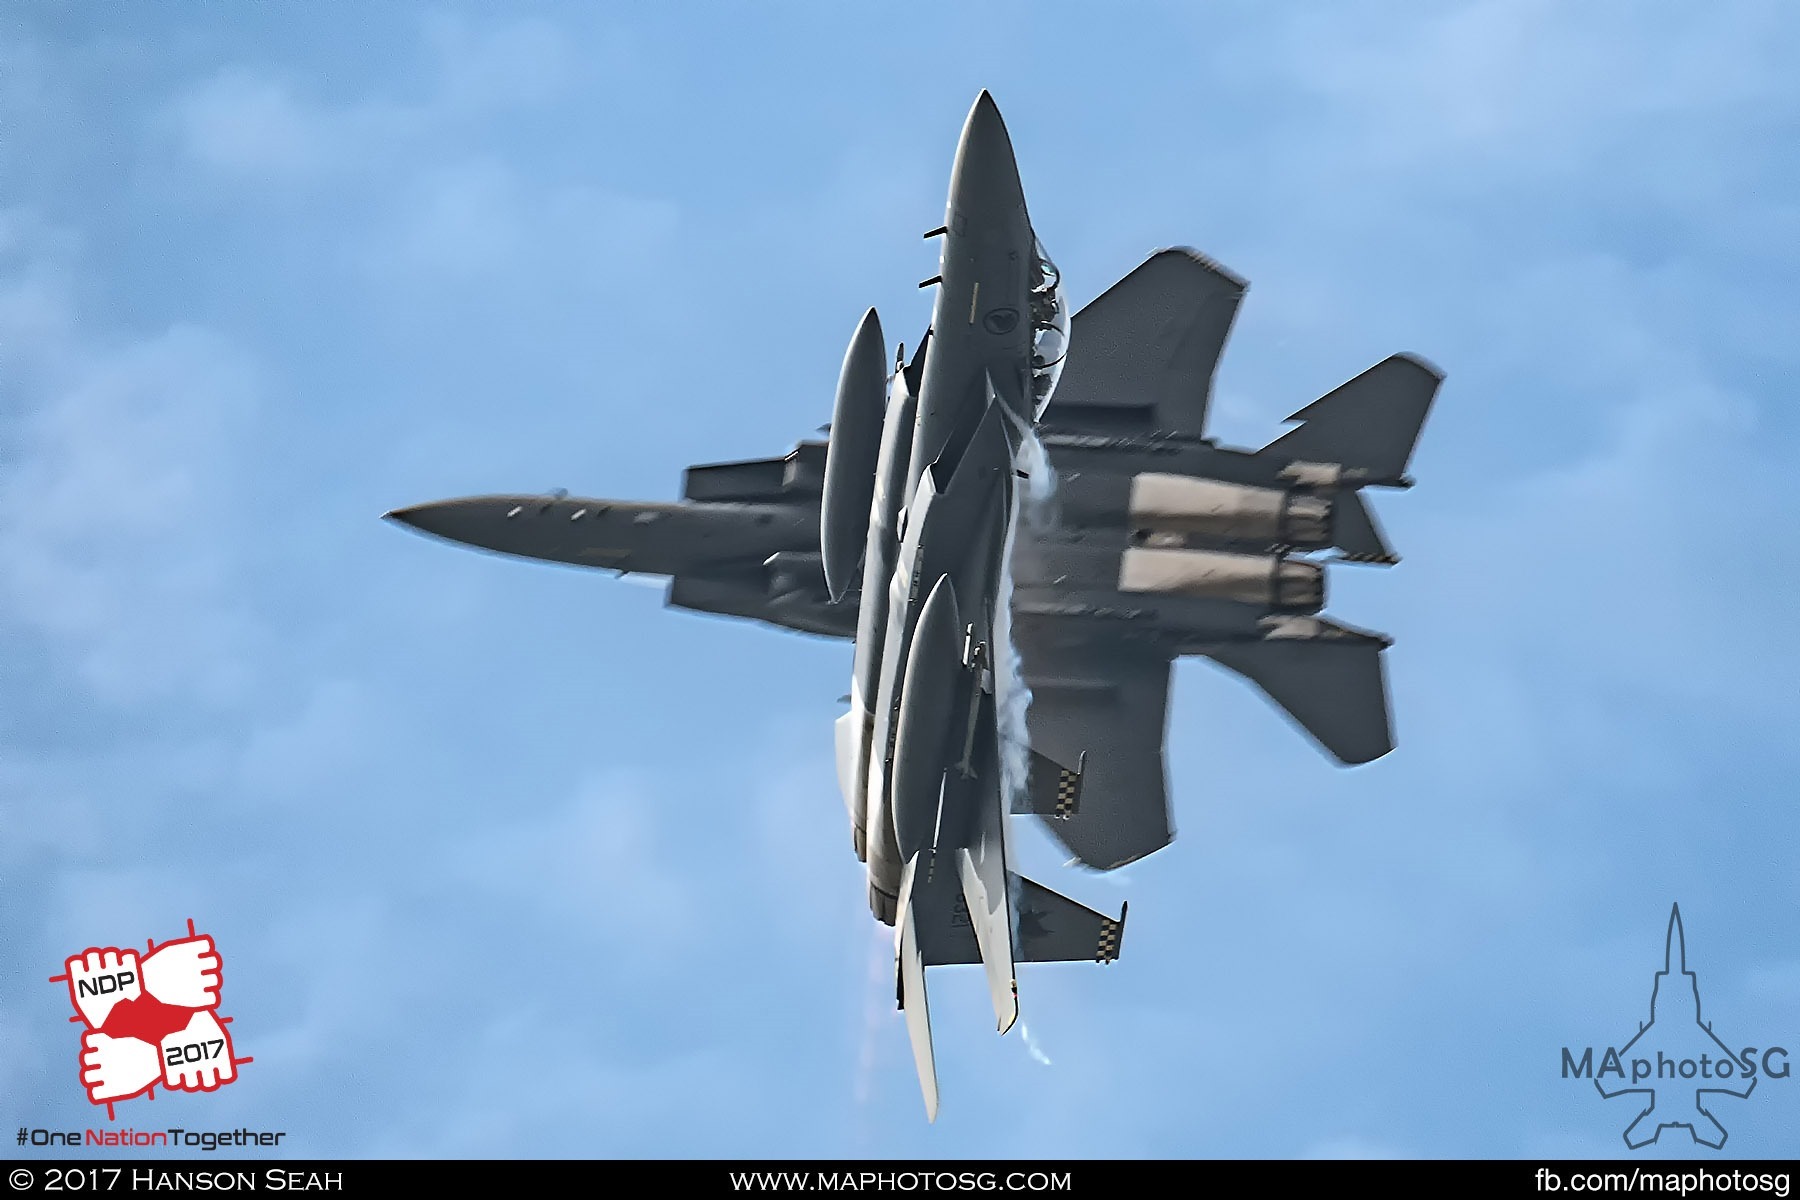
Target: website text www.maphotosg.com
[(901, 1181)]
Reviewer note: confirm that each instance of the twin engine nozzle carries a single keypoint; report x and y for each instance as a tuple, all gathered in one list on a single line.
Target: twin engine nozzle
[(1265, 581), (1229, 512)]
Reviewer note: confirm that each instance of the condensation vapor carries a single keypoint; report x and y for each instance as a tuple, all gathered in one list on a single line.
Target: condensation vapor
[(1034, 504), (877, 987)]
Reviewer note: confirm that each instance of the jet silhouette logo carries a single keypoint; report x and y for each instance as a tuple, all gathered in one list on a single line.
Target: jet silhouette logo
[(150, 1018), (1675, 1062)]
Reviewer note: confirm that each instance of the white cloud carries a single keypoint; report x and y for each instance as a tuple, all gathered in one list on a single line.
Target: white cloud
[(304, 756), (479, 221), (603, 862), (41, 810), (112, 518), (1351, 1146), (256, 125), (1533, 84), (483, 66), (250, 126)]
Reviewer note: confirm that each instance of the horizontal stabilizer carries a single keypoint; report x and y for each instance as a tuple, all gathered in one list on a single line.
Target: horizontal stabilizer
[(1369, 425), (1051, 927), (1330, 679), (1052, 790), (1054, 928)]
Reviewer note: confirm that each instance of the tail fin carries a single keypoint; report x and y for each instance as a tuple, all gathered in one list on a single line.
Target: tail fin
[(1369, 425), (1357, 534), (986, 883), (910, 983), (985, 880), (849, 741), (1328, 677)]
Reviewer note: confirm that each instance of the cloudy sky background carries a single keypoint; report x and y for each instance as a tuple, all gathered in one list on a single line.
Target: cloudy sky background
[(506, 859)]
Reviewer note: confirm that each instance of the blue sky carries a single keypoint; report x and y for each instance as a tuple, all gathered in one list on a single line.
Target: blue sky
[(504, 859)]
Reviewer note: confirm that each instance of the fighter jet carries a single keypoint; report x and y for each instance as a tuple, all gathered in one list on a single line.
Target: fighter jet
[(922, 754), (917, 489), (1161, 544), (1165, 544)]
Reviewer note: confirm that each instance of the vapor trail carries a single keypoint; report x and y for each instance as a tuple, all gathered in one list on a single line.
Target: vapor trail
[(1033, 504), (876, 985)]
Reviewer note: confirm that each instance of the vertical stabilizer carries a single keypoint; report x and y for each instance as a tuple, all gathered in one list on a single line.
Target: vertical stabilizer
[(911, 972), (984, 891)]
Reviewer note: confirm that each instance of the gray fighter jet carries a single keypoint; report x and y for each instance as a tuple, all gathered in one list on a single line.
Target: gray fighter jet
[(1161, 544), (915, 486), (1157, 544), (1166, 544), (922, 754)]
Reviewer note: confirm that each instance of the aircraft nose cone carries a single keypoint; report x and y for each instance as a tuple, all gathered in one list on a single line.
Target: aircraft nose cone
[(986, 176), (985, 108), (445, 519)]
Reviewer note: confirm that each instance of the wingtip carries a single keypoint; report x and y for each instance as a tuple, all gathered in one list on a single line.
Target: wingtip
[(1205, 261), (1361, 757), (1423, 363)]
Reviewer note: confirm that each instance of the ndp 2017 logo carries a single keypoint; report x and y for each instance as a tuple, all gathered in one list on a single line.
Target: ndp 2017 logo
[(150, 1018)]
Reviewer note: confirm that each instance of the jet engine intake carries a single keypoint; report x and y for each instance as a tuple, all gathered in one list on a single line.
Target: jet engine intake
[(1270, 581), (1229, 511)]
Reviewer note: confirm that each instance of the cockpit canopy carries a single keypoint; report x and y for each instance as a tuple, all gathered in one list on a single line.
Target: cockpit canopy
[(1049, 329)]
